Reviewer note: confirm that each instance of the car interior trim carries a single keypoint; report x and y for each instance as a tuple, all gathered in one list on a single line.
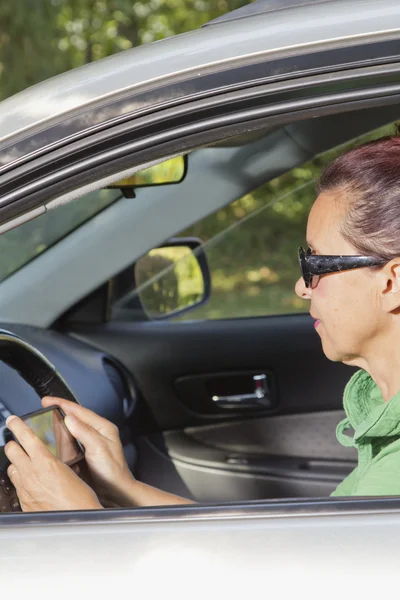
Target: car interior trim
[(36, 212)]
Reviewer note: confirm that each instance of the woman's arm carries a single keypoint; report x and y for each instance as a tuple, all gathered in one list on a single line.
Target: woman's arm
[(109, 474), (137, 493)]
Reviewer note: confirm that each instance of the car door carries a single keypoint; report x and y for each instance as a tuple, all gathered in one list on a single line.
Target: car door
[(186, 442), (180, 544)]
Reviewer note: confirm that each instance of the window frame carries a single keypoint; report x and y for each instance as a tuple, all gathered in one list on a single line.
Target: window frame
[(272, 104)]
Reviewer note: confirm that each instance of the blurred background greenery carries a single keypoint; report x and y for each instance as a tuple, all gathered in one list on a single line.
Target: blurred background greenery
[(251, 245), (179, 286), (42, 38)]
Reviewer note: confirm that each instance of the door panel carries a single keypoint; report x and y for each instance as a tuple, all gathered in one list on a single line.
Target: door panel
[(308, 435), (277, 478), (160, 353), (210, 453), (293, 454)]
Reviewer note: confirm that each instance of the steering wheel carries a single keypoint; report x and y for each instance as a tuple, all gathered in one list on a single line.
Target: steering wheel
[(45, 380)]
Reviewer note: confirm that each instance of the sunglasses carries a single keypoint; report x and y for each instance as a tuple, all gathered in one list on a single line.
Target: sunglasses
[(313, 265)]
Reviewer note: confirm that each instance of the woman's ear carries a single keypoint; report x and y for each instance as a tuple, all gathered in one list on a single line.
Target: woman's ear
[(389, 285)]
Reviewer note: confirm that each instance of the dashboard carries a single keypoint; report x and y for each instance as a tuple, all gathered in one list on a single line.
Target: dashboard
[(98, 380)]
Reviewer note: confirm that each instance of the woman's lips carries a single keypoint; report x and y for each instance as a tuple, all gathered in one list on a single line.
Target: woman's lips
[(316, 321)]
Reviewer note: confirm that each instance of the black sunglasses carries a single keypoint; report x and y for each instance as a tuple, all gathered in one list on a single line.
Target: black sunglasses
[(313, 265)]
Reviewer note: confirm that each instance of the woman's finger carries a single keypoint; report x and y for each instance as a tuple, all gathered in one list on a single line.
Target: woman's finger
[(80, 412), (84, 433), (13, 475), (76, 469), (28, 440), (16, 455)]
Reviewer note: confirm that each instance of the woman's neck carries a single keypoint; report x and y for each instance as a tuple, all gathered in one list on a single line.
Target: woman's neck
[(383, 365)]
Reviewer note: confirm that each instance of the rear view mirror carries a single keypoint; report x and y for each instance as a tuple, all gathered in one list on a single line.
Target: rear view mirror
[(172, 279), (168, 172)]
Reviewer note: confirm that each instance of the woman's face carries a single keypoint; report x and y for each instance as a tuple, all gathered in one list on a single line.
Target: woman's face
[(346, 305)]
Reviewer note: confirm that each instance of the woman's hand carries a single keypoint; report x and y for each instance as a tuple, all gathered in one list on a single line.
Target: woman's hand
[(109, 473), (41, 480)]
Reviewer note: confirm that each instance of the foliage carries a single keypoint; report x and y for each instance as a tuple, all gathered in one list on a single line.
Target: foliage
[(42, 38), (168, 279), (251, 244)]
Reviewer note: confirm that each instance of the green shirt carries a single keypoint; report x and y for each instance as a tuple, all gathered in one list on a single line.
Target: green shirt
[(376, 426)]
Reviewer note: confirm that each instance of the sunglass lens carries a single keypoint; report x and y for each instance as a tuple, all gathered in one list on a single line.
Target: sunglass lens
[(303, 267), (314, 281)]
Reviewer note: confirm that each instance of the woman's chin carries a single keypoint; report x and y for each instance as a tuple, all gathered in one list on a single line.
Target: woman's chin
[(331, 353)]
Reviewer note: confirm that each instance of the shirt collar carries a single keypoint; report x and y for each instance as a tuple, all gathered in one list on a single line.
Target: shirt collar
[(367, 413)]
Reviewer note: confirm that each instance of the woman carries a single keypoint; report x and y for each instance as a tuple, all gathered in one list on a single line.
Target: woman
[(355, 301), (351, 276)]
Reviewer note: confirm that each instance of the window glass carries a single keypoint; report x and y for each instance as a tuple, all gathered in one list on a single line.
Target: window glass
[(251, 248), (251, 245), (20, 245)]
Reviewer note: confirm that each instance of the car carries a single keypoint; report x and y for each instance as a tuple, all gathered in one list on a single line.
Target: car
[(151, 205)]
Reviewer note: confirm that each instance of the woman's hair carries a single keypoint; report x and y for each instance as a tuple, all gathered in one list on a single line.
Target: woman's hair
[(369, 177)]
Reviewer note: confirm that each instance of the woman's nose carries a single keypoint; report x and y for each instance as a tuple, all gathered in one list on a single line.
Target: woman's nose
[(301, 290)]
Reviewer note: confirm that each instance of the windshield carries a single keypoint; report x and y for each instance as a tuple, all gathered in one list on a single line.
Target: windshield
[(20, 245)]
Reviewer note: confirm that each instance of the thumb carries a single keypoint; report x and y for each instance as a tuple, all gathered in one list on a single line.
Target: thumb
[(84, 433)]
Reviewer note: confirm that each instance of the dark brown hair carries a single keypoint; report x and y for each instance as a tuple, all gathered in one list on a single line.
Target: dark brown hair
[(369, 177)]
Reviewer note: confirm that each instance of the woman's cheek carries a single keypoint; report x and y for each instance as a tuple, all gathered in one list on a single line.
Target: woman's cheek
[(320, 290)]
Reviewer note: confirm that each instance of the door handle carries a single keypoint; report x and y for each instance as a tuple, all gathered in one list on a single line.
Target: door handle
[(259, 398)]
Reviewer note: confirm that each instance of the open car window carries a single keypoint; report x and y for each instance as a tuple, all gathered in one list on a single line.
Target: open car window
[(250, 246)]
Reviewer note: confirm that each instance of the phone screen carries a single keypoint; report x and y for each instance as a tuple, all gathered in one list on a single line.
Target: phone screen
[(50, 428)]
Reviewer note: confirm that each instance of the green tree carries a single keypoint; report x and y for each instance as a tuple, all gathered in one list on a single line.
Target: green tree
[(42, 38), (27, 32)]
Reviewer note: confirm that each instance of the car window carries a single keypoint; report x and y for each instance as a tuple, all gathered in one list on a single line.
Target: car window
[(19, 246), (251, 248), (251, 245)]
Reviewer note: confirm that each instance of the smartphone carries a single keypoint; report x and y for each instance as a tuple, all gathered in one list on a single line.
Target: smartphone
[(48, 424)]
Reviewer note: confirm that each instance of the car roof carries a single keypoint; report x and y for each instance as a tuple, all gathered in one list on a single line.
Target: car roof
[(300, 26)]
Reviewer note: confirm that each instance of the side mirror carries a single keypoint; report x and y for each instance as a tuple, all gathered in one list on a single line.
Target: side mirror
[(168, 281)]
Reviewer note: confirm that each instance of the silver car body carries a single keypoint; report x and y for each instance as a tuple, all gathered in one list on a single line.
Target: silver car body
[(294, 30), (212, 552)]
